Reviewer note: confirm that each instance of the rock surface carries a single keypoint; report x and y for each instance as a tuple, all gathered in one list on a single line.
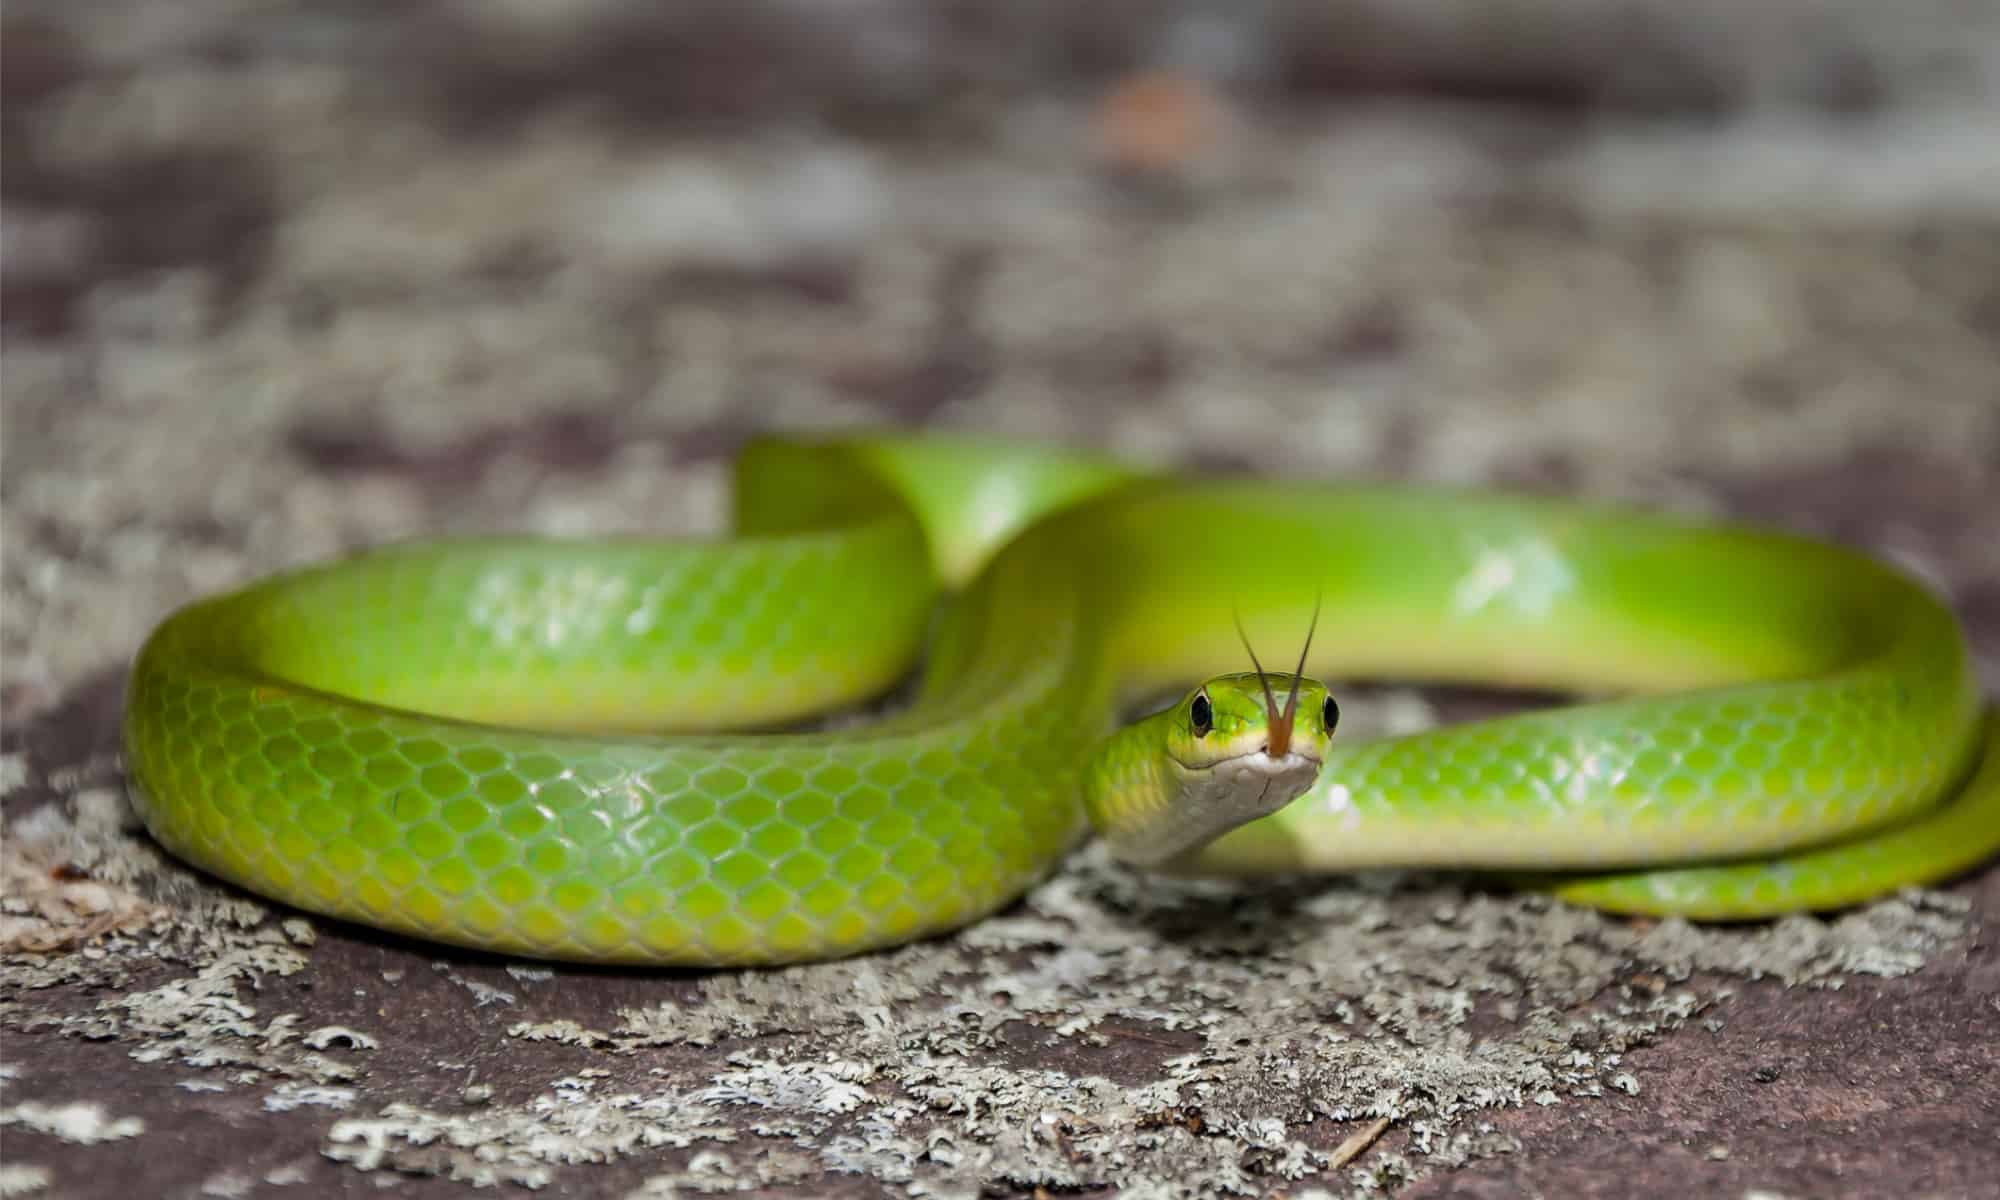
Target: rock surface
[(284, 281)]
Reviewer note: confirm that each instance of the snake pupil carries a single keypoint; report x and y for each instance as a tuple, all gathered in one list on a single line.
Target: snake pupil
[(1329, 715), (1202, 714)]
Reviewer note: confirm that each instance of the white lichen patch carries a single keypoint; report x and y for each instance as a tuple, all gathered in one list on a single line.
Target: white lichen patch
[(204, 1021), (828, 1088), (567, 1125), (23, 1179), (83, 1122), (89, 900), (483, 994), (558, 1031), (289, 1174), (225, 946), (228, 1185), (711, 1172), (49, 901), (288, 1096)]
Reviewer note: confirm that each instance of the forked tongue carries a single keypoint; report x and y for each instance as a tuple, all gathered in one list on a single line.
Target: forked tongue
[(1278, 742)]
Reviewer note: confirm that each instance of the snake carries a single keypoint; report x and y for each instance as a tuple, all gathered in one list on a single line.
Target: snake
[(921, 670)]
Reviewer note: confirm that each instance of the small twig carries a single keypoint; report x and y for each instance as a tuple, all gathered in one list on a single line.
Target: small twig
[(1351, 1149)]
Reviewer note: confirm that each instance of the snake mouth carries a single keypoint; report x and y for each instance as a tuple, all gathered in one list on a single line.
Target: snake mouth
[(1287, 775), (1216, 797)]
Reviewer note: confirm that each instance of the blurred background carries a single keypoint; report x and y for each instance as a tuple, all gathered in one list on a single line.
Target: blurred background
[(282, 279)]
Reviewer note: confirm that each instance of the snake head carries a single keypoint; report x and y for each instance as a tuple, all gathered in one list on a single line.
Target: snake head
[(1229, 761), (1233, 717), (1232, 755)]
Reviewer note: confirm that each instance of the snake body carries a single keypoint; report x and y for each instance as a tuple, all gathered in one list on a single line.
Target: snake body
[(591, 750)]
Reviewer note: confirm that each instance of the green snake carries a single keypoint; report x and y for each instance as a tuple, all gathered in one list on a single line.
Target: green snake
[(613, 749)]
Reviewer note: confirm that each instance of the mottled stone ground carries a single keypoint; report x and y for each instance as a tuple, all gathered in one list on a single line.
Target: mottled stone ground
[(284, 281)]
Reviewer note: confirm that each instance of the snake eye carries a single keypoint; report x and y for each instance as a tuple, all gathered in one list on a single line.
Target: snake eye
[(1329, 715), (1201, 714)]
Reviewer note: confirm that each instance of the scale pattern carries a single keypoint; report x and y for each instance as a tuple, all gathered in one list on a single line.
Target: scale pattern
[(513, 744)]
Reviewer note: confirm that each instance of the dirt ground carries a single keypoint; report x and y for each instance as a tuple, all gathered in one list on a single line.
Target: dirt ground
[(286, 280)]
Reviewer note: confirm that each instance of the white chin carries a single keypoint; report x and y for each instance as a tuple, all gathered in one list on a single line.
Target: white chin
[(1261, 781), (1216, 800)]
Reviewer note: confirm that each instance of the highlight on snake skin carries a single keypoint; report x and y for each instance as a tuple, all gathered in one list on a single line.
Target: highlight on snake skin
[(605, 750)]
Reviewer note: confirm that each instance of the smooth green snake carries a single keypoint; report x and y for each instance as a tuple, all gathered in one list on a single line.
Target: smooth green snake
[(603, 750)]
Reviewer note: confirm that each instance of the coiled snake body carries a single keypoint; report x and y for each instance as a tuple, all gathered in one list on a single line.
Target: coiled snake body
[(566, 749)]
